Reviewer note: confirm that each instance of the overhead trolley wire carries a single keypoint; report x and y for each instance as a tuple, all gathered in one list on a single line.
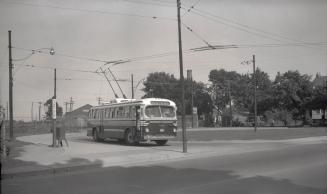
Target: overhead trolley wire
[(156, 3), (88, 10), (196, 34), (258, 45), (233, 26), (250, 27), (60, 68), (191, 7), (247, 28)]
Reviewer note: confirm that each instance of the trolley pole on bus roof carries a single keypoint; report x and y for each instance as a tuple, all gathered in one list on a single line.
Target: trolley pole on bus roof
[(181, 76)]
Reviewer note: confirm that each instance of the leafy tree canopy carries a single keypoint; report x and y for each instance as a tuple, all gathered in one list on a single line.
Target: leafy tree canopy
[(165, 85), (48, 113)]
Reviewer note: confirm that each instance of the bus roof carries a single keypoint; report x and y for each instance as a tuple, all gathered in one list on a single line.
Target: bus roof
[(145, 101)]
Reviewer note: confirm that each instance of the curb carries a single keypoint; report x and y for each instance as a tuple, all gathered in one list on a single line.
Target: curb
[(49, 171), (232, 128)]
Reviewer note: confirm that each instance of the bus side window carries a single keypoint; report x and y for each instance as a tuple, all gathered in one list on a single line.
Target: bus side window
[(107, 111), (102, 113), (99, 114), (127, 112), (94, 113), (113, 113), (132, 113), (120, 112)]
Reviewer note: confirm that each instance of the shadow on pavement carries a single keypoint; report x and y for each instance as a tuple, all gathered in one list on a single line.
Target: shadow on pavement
[(156, 179), (114, 142), (12, 167)]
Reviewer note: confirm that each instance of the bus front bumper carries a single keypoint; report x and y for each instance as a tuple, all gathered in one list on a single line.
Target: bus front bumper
[(157, 137)]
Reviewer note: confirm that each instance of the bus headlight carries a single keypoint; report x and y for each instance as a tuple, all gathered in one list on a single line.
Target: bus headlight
[(175, 130)]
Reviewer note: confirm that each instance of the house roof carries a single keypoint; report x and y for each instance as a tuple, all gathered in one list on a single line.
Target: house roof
[(320, 80), (81, 111)]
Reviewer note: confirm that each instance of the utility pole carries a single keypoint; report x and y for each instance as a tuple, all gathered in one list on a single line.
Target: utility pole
[(11, 115), (40, 103), (32, 112), (181, 75), (54, 110), (66, 104), (71, 103), (255, 94), (190, 78), (230, 105), (7, 115), (132, 86)]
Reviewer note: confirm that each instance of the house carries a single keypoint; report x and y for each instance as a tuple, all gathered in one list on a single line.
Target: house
[(77, 119), (319, 116), (320, 81)]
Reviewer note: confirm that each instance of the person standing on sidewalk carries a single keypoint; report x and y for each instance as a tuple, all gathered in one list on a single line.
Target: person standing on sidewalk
[(4, 150), (61, 131)]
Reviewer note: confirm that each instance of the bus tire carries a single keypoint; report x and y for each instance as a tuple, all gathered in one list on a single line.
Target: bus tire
[(161, 142), (129, 137), (96, 135)]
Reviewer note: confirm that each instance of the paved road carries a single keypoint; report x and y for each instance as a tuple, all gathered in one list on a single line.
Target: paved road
[(288, 168)]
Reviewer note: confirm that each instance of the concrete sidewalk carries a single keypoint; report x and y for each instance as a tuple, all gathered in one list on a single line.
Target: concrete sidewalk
[(34, 156)]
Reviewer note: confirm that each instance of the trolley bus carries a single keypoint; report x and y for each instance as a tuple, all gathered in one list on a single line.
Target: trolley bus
[(134, 121)]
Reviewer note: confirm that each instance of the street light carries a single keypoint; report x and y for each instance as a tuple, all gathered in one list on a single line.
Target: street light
[(11, 80), (51, 52)]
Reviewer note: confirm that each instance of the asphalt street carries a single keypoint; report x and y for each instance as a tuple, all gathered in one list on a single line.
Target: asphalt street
[(288, 168)]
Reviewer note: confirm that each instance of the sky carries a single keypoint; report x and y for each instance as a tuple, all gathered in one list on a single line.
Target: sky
[(85, 34)]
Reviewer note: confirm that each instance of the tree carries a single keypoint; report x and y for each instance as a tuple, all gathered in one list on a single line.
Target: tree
[(319, 98), (221, 80), (165, 85), (48, 113), (202, 99), (263, 92), (292, 92), (241, 88)]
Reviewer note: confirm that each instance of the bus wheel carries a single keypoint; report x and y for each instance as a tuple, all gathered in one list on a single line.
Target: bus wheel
[(129, 138), (161, 142), (96, 135)]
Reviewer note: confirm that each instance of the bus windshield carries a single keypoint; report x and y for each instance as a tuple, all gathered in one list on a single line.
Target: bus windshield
[(160, 111)]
